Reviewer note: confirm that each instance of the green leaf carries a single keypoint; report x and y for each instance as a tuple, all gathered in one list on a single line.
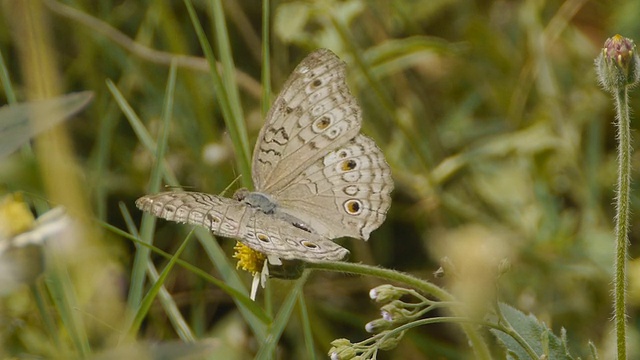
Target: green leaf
[(537, 336)]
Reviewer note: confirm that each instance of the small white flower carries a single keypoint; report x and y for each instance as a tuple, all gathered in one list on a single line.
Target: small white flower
[(369, 327), (21, 237), (259, 278), (373, 293), (50, 223), (254, 286)]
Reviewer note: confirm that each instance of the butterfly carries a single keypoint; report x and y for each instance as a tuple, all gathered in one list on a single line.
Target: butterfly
[(316, 177)]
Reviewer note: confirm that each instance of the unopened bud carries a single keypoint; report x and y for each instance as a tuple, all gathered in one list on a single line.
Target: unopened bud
[(341, 342), (342, 352), (618, 63), (376, 326), (385, 293), (390, 342), (395, 311)]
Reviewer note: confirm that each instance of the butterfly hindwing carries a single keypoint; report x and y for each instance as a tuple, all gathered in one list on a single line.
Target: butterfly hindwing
[(346, 193)]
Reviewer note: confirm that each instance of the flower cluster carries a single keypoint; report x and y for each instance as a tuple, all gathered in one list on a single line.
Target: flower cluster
[(343, 349), (396, 317)]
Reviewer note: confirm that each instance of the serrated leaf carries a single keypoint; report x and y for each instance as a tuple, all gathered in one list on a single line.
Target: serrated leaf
[(535, 333)]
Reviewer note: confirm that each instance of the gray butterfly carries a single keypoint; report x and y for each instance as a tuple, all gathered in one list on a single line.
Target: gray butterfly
[(316, 177)]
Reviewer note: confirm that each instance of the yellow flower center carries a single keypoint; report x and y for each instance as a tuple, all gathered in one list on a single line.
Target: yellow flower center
[(248, 259), (15, 216)]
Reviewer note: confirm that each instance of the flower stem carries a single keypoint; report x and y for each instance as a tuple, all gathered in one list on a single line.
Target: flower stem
[(622, 218), (475, 338), (618, 69)]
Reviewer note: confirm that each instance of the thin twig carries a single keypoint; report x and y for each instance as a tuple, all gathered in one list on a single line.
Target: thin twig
[(246, 82)]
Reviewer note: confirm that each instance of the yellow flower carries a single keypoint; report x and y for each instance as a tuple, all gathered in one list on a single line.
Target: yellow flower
[(254, 262), (15, 216), (21, 258), (248, 259)]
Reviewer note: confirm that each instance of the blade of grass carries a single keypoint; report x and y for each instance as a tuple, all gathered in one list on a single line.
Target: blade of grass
[(384, 103), (5, 79), (306, 328), (170, 307), (228, 69), (141, 132), (266, 58), (148, 221), (229, 103), (100, 159), (241, 297), (42, 303), (65, 302), (153, 292), (267, 350)]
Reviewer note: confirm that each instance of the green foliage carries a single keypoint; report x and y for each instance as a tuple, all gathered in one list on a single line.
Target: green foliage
[(489, 113), (537, 336)]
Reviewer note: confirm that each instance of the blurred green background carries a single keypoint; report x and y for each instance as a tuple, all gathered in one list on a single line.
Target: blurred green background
[(500, 141)]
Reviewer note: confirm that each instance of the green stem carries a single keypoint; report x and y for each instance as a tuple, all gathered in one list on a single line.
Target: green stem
[(475, 338), (622, 219)]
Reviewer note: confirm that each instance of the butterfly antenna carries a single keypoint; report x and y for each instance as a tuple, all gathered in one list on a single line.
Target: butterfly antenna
[(231, 184)]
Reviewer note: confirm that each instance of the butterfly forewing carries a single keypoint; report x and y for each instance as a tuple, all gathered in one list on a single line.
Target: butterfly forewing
[(231, 218), (314, 113), (219, 214)]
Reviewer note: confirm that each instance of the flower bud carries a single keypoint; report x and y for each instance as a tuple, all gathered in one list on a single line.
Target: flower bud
[(617, 65), (386, 316), (341, 342), (342, 353), (390, 342), (376, 326), (385, 293), (395, 312)]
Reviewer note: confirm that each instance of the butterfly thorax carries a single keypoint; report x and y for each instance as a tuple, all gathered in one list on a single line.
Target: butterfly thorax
[(266, 204), (257, 200)]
